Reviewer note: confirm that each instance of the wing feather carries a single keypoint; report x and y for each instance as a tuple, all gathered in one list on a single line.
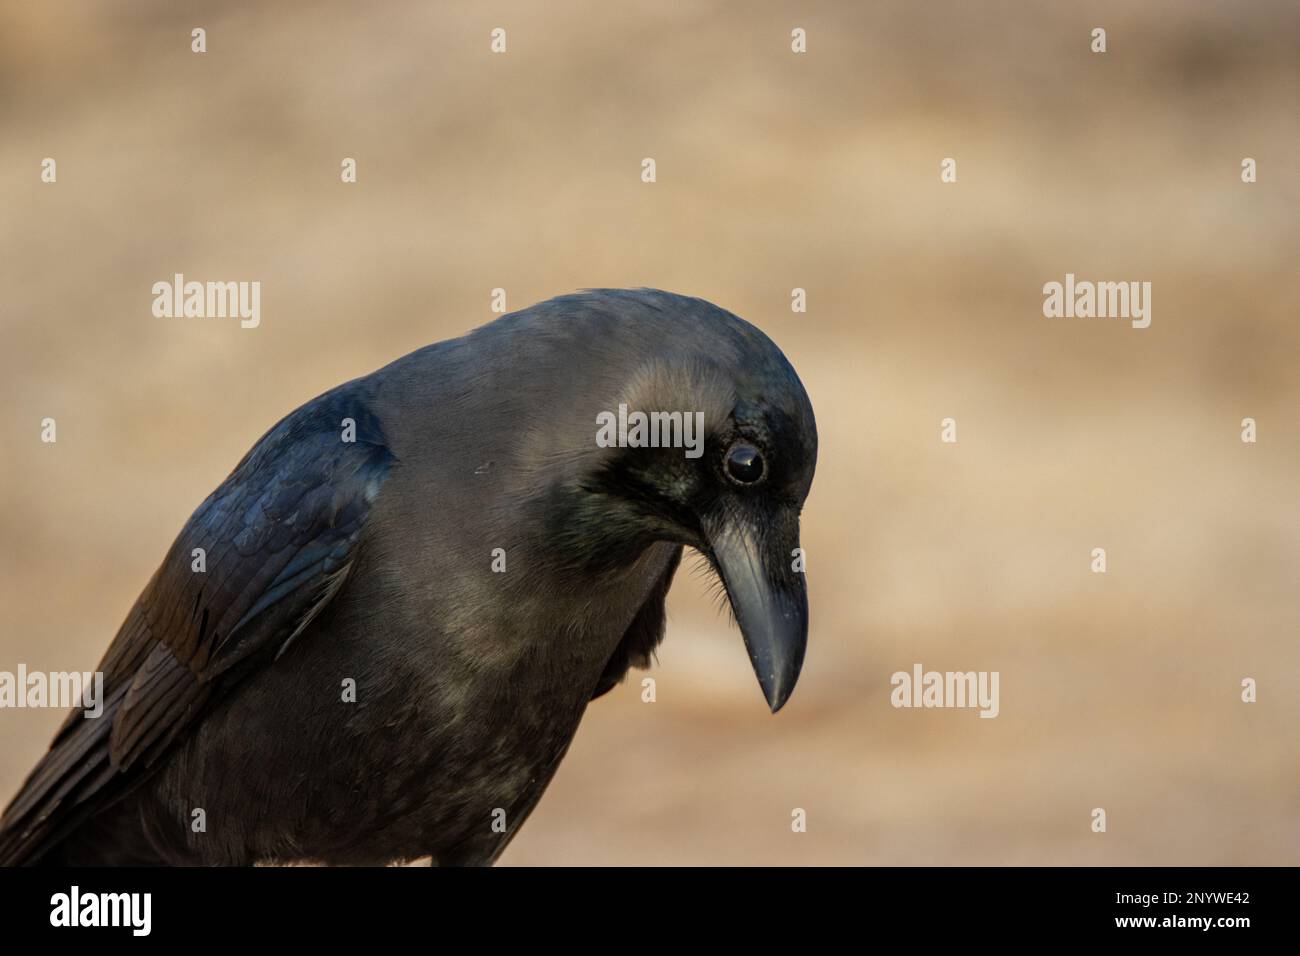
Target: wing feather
[(280, 535)]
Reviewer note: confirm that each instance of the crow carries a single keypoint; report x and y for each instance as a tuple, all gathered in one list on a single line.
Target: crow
[(375, 640)]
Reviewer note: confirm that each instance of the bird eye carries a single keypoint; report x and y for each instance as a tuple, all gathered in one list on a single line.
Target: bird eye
[(744, 463)]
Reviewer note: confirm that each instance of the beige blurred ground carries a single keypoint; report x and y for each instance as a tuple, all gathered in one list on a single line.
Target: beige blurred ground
[(821, 171)]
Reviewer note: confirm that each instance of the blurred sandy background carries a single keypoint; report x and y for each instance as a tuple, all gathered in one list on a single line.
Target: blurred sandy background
[(775, 171)]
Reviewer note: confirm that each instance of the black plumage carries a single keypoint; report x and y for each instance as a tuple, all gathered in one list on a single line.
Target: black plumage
[(354, 544)]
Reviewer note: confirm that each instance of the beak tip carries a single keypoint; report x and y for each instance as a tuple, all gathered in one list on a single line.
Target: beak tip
[(777, 657), (777, 692)]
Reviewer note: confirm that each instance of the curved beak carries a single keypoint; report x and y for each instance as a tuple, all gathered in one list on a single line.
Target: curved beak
[(769, 599)]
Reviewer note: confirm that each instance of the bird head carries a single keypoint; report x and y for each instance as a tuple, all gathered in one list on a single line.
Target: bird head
[(708, 441)]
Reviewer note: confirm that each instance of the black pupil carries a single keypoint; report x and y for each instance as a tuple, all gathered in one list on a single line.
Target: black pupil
[(744, 463)]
